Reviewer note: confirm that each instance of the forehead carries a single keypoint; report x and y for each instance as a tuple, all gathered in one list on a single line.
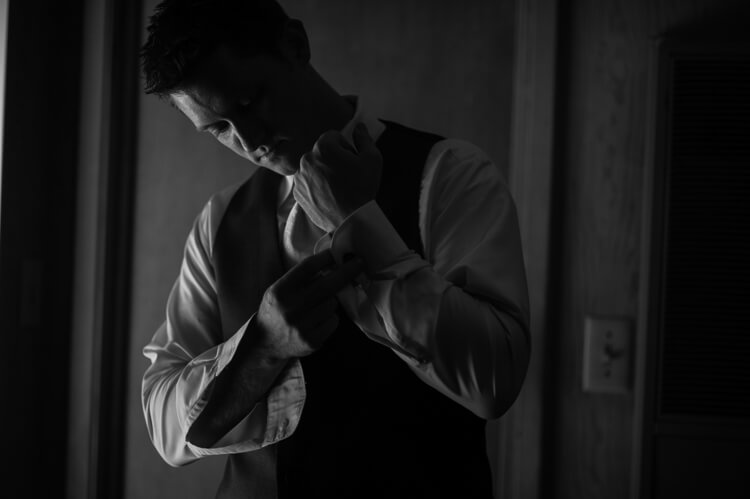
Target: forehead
[(196, 111)]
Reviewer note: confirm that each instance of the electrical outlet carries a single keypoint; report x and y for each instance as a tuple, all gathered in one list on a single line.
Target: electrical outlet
[(607, 352)]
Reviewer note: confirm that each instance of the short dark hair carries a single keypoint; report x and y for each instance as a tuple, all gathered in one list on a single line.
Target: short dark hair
[(181, 33)]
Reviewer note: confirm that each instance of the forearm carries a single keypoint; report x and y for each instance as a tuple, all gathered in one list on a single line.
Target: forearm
[(235, 392), (460, 321), (480, 352), (459, 314), (473, 350), (177, 388)]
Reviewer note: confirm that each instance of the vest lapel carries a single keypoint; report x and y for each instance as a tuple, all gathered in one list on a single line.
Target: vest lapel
[(246, 255)]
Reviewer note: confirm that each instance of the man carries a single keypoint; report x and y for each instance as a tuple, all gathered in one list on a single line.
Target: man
[(346, 319)]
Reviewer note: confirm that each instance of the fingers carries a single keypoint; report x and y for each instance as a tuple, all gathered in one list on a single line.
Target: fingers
[(333, 146), (336, 279), (306, 271), (317, 278)]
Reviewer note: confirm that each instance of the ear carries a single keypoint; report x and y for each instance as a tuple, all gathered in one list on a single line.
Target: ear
[(293, 44)]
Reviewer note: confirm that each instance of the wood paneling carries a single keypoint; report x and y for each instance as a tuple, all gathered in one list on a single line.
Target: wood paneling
[(531, 174), (603, 97)]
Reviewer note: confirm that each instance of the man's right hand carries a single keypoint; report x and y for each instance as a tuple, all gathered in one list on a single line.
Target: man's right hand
[(298, 312)]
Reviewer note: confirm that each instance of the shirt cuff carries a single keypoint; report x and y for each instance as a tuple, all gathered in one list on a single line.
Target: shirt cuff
[(272, 419), (368, 234)]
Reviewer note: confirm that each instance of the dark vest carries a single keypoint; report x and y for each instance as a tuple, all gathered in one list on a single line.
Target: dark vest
[(370, 428)]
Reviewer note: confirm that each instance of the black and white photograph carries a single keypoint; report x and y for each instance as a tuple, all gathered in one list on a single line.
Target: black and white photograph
[(375, 249)]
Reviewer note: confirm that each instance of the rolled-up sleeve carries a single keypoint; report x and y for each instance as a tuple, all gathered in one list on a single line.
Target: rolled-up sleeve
[(458, 316), (188, 352)]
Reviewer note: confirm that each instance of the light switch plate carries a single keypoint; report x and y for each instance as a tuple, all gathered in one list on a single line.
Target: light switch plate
[(607, 355)]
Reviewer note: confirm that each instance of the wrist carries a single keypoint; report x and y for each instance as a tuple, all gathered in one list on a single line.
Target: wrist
[(258, 346)]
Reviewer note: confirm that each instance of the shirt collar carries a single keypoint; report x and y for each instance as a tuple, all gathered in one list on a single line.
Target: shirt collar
[(374, 126)]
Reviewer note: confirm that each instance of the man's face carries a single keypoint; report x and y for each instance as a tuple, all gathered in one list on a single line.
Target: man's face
[(262, 107)]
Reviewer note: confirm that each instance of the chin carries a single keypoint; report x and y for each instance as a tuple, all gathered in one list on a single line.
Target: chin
[(283, 168)]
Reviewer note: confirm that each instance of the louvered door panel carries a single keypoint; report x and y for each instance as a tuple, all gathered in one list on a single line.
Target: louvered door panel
[(705, 363), (696, 417)]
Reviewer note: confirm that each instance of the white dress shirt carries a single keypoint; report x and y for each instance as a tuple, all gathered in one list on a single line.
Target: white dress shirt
[(446, 316)]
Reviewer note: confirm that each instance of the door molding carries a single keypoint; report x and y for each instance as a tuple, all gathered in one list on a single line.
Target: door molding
[(107, 160), (520, 457)]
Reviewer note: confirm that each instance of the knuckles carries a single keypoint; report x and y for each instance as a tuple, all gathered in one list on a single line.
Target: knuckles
[(328, 145), (306, 165), (276, 301)]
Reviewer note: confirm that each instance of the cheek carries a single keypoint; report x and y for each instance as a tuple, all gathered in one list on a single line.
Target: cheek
[(285, 111), (229, 142), (233, 141), (235, 145)]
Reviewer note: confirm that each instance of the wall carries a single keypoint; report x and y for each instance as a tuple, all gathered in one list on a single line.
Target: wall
[(446, 67), (603, 99)]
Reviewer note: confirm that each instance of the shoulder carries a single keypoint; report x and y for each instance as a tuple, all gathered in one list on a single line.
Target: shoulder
[(459, 178), (456, 167), (459, 157), (443, 158)]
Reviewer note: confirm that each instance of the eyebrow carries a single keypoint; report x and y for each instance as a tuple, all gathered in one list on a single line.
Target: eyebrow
[(201, 128)]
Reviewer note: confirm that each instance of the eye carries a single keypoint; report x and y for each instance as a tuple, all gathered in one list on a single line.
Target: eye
[(219, 128), (250, 102)]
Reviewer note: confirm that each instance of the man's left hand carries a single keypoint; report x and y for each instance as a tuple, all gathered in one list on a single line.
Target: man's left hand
[(335, 179)]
